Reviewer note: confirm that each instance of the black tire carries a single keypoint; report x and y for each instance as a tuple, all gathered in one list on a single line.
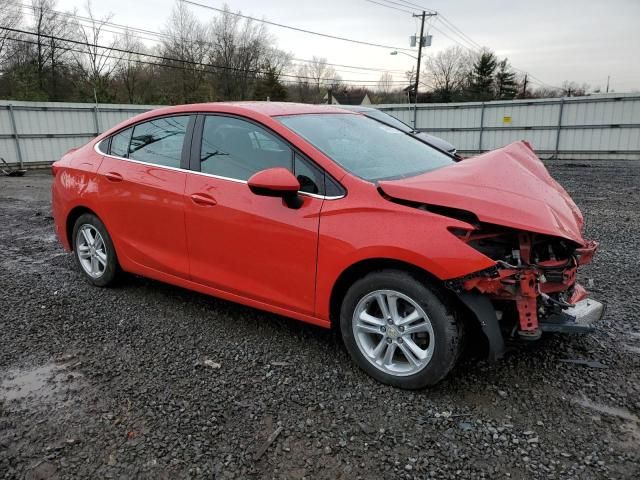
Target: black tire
[(447, 330), (111, 269)]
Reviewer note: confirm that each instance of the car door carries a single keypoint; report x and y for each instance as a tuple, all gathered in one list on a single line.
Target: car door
[(239, 242), (143, 194)]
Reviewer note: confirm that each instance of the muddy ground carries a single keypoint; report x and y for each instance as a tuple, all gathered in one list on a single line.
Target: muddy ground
[(152, 381)]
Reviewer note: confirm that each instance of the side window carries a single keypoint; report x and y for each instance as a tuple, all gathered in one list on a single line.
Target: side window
[(103, 146), (332, 188), (159, 141), (311, 178), (120, 143), (237, 149)]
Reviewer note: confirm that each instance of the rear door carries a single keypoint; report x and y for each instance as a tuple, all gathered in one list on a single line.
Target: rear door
[(239, 242), (143, 198)]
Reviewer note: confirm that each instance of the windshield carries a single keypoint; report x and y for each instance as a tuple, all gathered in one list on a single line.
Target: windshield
[(365, 147)]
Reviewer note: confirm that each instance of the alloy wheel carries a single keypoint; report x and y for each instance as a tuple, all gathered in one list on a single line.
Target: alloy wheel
[(91, 250), (393, 332)]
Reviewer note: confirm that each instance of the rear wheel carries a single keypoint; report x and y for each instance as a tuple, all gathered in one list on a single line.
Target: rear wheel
[(93, 251), (399, 330)]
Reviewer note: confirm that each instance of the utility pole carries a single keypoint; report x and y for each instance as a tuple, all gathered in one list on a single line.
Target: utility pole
[(524, 86), (608, 78), (421, 40)]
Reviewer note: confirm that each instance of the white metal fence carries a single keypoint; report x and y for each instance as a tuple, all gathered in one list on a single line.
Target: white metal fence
[(33, 133), (595, 127)]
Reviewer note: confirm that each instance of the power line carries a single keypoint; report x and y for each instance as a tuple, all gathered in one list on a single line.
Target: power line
[(476, 46), (463, 35), (467, 44), (413, 5), (133, 60), (302, 30), (466, 47), (128, 30), (144, 62), (391, 7), (446, 23), (162, 65), (80, 17), (183, 61)]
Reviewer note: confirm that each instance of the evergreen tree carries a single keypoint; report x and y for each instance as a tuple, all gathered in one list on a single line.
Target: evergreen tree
[(505, 81), (482, 76), (269, 86)]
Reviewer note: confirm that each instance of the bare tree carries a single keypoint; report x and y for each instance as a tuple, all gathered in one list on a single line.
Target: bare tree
[(130, 69), (447, 71), (10, 16), (407, 92), (321, 77), (51, 28), (95, 56), (277, 59), (574, 89), (302, 89), (240, 51), (385, 84), (545, 92), (186, 44)]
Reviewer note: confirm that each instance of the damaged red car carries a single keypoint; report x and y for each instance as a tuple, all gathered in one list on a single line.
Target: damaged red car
[(335, 219)]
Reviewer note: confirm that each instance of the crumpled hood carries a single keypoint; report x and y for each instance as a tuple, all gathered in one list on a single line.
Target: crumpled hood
[(509, 186)]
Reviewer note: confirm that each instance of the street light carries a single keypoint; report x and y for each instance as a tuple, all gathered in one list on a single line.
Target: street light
[(395, 52), (415, 93)]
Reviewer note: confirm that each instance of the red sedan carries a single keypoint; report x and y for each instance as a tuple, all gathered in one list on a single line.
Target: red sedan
[(335, 219)]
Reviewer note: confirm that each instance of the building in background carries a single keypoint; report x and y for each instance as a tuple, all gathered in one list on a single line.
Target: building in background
[(348, 97)]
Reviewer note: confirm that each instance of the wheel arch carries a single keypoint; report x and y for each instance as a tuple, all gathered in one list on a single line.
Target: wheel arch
[(72, 217), (366, 266)]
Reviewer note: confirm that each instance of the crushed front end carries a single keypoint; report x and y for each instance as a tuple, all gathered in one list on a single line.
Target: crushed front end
[(533, 285), (520, 218)]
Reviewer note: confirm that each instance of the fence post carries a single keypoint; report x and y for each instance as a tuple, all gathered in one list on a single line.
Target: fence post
[(555, 155), (96, 120), (481, 128), (16, 136)]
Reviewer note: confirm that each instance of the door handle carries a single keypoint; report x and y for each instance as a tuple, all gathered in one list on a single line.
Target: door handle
[(203, 199), (113, 176)]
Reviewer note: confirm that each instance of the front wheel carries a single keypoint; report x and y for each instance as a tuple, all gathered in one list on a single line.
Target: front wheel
[(93, 251), (399, 330)]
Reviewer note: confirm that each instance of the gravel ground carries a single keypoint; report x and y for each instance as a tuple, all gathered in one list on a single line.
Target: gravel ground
[(152, 381)]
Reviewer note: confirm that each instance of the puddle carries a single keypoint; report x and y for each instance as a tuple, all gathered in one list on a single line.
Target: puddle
[(631, 348), (622, 413), (35, 383)]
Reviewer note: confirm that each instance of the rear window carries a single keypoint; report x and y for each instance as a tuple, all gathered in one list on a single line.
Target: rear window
[(159, 141), (120, 143)]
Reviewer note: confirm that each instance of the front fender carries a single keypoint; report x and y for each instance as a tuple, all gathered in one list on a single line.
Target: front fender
[(395, 232)]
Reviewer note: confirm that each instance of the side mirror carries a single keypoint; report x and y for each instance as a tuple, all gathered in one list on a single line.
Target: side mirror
[(276, 182)]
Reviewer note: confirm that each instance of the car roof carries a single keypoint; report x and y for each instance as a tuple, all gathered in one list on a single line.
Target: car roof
[(250, 109), (355, 108), (271, 109)]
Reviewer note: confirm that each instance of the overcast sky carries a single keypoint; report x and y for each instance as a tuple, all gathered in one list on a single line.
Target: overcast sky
[(555, 40)]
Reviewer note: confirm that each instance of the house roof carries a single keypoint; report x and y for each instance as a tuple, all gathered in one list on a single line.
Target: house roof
[(350, 97)]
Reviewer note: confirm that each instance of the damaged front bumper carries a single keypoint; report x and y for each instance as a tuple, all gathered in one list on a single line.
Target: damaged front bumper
[(537, 295), (579, 318)]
